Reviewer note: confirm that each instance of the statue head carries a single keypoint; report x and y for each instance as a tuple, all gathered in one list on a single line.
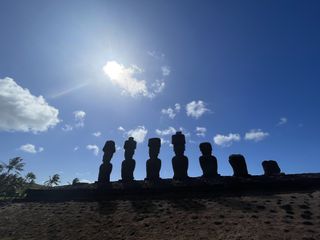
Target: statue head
[(154, 145), (109, 149), (178, 140), (129, 147), (206, 148)]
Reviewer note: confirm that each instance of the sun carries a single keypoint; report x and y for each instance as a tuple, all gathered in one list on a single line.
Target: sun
[(113, 69)]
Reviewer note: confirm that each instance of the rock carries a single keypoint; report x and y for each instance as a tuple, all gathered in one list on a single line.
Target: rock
[(239, 166), (128, 164), (106, 167), (208, 162), (153, 164), (271, 168), (179, 161)]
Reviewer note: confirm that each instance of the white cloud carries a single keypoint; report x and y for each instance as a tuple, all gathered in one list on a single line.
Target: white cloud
[(282, 121), (165, 71), (157, 87), (177, 107), (76, 148), (30, 148), (93, 148), (201, 131), (121, 129), (171, 112), (226, 140), (96, 134), (125, 78), (138, 133), (85, 181), (118, 148), (165, 132), (156, 55), (79, 117), (164, 141), (256, 135), (67, 128), (196, 109), (22, 111), (185, 131)]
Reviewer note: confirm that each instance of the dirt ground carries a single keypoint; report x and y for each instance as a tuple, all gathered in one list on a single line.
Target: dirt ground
[(279, 216)]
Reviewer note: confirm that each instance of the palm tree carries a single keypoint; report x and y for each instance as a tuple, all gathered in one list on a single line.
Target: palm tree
[(11, 182), (54, 180), (75, 181), (30, 177), (15, 164)]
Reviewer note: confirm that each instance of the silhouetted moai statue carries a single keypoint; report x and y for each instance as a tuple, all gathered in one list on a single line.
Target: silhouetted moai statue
[(128, 164), (106, 167), (271, 168), (179, 161), (239, 166), (154, 163), (208, 162)]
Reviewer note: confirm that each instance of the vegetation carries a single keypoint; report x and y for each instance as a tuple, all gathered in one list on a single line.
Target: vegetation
[(12, 183), (75, 181), (54, 180)]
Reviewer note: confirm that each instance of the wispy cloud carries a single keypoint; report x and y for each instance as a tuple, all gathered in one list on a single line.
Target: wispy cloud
[(94, 148), (171, 112), (156, 55), (166, 132), (126, 79), (121, 129), (96, 134), (138, 133), (201, 131), (256, 135), (157, 87), (226, 140), (22, 111), (196, 109), (165, 70), (67, 128), (164, 141), (282, 121), (79, 117), (30, 148)]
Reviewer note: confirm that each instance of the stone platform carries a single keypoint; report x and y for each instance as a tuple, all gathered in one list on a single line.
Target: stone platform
[(168, 188)]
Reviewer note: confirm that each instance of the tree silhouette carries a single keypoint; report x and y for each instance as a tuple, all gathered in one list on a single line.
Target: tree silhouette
[(15, 164), (75, 181), (11, 182), (54, 180), (30, 177)]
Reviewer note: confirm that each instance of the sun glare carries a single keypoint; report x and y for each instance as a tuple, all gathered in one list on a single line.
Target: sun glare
[(113, 70)]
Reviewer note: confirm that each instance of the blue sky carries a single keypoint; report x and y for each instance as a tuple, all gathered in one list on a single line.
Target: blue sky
[(243, 75)]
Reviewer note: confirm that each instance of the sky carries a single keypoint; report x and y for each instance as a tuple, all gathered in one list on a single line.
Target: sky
[(242, 75)]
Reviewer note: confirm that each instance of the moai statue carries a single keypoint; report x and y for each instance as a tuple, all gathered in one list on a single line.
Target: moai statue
[(154, 163), (128, 164), (208, 162), (271, 168), (239, 166), (179, 161), (106, 167)]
